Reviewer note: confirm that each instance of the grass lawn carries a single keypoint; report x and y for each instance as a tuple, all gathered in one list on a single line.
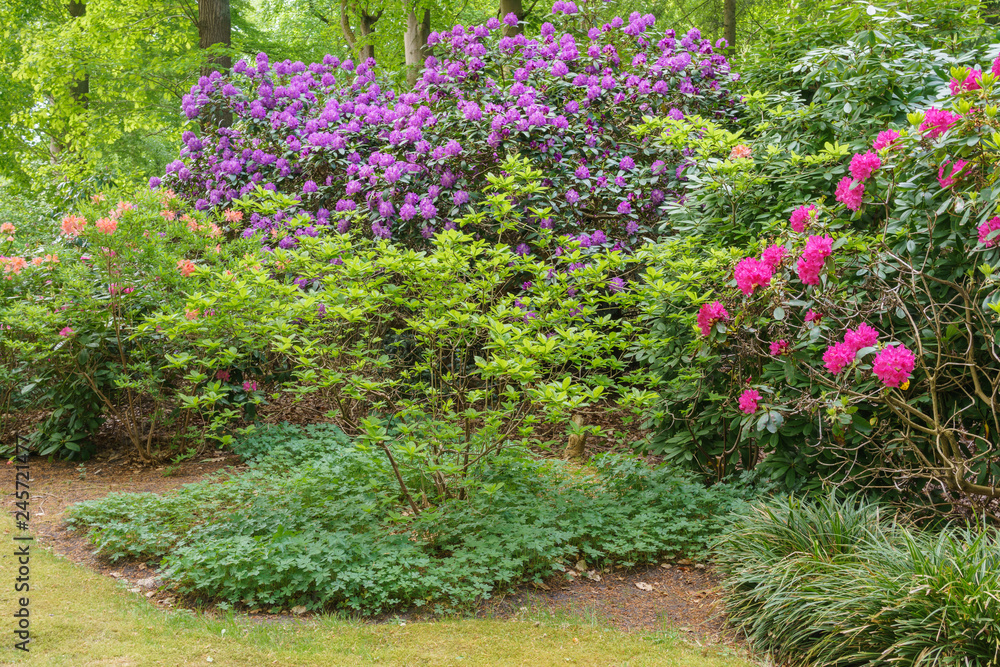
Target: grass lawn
[(81, 618)]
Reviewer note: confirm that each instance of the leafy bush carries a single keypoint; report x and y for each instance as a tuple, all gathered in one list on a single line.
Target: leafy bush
[(830, 582), (70, 309), (328, 532), (896, 250), (334, 138)]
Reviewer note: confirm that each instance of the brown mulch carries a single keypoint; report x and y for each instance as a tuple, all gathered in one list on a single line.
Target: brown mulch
[(680, 595)]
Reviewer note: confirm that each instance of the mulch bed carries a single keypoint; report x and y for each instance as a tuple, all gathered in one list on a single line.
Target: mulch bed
[(681, 595)]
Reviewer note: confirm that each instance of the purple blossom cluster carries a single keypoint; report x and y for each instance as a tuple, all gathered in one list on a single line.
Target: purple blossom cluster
[(350, 150)]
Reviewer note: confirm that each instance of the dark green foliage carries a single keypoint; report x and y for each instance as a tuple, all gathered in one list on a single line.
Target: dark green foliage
[(832, 582), (330, 532)]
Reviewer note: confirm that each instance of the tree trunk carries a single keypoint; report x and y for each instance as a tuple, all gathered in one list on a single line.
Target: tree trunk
[(511, 7), (577, 447), (215, 27), (80, 90), (729, 25), (415, 43), (367, 23)]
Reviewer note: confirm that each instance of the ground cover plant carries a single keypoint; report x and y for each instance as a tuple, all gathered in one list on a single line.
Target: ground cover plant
[(80, 617), (320, 522), (845, 582)]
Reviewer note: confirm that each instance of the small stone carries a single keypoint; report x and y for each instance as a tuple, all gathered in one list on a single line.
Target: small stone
[(299, 610), (642, 586), (666, 566), (685, 561), (581, 565), (135, 590), (699, 566), (150, 582), (150, 594)]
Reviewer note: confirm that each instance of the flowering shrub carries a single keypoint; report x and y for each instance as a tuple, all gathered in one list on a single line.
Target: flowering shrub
[(404, 166), (896, 384), (70, 312)]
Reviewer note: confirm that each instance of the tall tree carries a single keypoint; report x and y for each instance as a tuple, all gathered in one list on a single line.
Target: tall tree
[(215, 27), (415, 41), (365, 21), (729, 24), (512, 7)]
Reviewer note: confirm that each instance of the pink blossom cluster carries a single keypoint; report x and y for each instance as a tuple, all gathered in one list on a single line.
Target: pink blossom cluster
[(937, 122), (841, 355), (802, 216), (748, 401), (947, 179), (106, 225), (813, 317), (817, 249), (864, 165), (752, 273), (988, 228), (779, 347), (848, 196), (996, 67), (894, 365), (885, 139), (709, 314), (73, 225), (970, 82)]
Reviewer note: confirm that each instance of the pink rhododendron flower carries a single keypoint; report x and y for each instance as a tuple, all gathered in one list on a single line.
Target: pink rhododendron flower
[(802, 216), (779, 347), (222, 375), (969, 83), (7, 228), (848, 196), (838, 357), (937, 122), (996, 67), (72, 225), (751, 273), (168, 215), (186, 267), (863, 165), (739, 151), (193, 225), (232, 216), (894, 365), (814, 317), (66, 331), (817, 249), (947, 179), (249, 385), (885, 138), (863, 336), (106, 225), (988, 228), (709, 314), (191, 314), (773, 256), (748, 401)]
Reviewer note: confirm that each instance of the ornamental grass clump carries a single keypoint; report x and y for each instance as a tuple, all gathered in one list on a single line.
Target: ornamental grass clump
[(841, 582), (406, 164)]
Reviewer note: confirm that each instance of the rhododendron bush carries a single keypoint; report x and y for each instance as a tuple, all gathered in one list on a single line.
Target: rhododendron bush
[(857, 344), (405, 165)]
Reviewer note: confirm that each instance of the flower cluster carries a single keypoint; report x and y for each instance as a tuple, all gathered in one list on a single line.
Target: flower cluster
[(885, 139), (971, 82), (937, 122), (864, 165), (851, 197), (709, 314), (346, 147), (748, 401), (752, 273), (841, 355), (986, 229), (809, 266), (946, 177), (893, 365), (802, 216)]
